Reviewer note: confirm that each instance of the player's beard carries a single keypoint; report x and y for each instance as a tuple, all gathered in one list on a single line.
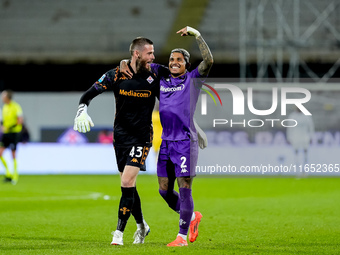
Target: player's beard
[(141, 66)]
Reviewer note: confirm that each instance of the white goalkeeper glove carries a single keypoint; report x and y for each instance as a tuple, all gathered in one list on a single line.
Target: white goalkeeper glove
[(193, 31), (82, 121), (202, 137)]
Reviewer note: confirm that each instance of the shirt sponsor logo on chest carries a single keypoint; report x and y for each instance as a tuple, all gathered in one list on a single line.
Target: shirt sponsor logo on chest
[(179, 87), (135, 93)]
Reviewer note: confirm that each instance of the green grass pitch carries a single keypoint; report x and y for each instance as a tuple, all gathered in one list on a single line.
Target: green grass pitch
[(61, 214)]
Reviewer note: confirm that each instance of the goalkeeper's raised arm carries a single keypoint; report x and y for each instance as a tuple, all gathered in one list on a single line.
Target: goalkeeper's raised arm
[(205, 66)]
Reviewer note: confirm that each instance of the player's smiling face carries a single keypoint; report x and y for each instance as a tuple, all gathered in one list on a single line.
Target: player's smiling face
[(177, 64), (146, 56)]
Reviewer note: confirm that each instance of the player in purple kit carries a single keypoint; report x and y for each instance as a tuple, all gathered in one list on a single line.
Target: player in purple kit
[(179, 149)]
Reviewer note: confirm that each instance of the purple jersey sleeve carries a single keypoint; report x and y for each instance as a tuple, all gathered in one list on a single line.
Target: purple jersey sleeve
[(154, 68), (195, 74), (159, 70)]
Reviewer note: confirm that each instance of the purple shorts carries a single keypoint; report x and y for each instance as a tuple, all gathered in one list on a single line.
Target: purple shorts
[(177, 158)]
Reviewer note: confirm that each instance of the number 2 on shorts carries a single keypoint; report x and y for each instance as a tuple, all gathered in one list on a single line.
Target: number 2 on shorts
[(183, 165)]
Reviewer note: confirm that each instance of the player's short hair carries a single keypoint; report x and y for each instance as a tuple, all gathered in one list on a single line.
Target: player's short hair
[(9, 93), (138, 44), (185, 54)]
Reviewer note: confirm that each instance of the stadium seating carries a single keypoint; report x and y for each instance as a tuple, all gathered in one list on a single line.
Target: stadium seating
[(221, 24), (71, 30), (100, 30)]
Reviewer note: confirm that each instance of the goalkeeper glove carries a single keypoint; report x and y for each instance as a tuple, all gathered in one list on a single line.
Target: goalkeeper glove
[(82, 121), (193, 31), (202, 137)]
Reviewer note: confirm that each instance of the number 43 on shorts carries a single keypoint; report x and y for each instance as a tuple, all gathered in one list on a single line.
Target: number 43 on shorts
[(137, 153)]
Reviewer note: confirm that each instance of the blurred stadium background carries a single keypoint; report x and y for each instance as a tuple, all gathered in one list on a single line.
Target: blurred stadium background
[(52, 51)]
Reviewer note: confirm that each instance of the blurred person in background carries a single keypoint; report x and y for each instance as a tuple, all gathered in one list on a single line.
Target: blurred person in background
[(12, 120), (25, 135), (300, 136), (157, 130), (105, 136)]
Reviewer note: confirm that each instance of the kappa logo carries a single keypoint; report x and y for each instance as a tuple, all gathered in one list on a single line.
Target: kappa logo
[(184, 170), (150, 79), (134, 160)]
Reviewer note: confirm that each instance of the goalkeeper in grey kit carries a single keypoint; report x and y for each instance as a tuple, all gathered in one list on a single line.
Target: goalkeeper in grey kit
[(135, 100)]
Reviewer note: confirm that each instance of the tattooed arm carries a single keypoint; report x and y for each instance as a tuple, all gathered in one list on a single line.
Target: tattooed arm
[(205, 66)]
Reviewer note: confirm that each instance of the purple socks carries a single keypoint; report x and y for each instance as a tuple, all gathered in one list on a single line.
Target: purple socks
[(172, 198), (187, 208), (181, 203)]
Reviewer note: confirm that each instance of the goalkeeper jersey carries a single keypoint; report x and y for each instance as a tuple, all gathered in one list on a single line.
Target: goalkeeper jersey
[(10, 114), (135, 100)]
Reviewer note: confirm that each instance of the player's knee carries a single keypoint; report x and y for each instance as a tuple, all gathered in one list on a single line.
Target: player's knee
[(163, 186), (184, 182), (163, 183), (128, 182), (129, 176)]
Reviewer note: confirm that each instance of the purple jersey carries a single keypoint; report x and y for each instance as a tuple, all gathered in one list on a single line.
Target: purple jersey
[(177, 103)]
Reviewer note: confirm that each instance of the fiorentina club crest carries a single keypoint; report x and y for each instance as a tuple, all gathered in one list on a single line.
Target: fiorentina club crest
[(149, 79)]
